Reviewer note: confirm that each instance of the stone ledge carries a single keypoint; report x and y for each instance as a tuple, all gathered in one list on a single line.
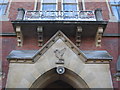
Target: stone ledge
[(21, 56), (27, 56), (8, 34), (111, 35), (97, 54)]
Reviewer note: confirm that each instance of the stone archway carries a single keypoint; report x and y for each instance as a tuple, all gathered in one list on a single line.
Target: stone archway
[(68, 77), (34, 69)]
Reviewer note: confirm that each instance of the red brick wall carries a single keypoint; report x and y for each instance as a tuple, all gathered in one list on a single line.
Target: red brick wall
[(109, 44), (8, 44), (30, 42), (112, 27), (16, 5), (93, 5), (7, 27)]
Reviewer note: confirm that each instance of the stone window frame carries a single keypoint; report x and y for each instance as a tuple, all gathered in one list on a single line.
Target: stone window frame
[(35, 5)]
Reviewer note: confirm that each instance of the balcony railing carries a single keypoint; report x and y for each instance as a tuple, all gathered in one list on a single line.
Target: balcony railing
[(60, 15)]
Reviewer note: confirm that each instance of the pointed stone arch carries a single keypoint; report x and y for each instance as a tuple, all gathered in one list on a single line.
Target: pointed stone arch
[(29, 67), (51, 76)]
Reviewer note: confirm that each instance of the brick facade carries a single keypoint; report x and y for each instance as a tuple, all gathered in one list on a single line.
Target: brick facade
[(9, 43)]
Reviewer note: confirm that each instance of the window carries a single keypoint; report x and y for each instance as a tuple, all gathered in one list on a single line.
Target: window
[(3, 6), (69, 5), (48, 8), (49, 5), (69, 8), (115, 5)]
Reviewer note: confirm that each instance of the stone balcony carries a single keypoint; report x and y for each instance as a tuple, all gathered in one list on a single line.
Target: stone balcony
[(76, 24), (60, 15)]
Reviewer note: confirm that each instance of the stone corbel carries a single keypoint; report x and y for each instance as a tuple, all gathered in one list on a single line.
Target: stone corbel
[(19, 36), (40, 36), (99, 36), (78, 35)]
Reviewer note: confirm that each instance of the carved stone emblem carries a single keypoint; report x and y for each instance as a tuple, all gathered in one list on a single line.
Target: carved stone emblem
[(59, 54)]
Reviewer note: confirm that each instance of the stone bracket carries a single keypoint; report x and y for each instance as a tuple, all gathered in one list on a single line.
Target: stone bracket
[(78, 35), (40, 36), (99, 36), (19, 36)]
